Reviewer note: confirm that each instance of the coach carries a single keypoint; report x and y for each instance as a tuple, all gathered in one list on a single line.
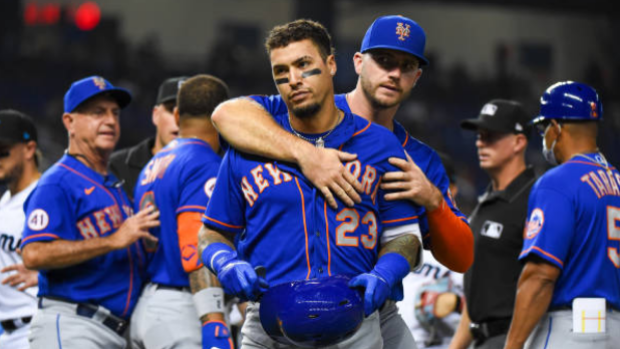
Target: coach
[(79, 233)]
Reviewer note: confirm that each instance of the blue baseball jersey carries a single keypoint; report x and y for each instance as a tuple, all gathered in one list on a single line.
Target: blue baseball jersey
[(427, 160), (283, 222), (180, 178), (424, 156), (73, 202), (574, 224)]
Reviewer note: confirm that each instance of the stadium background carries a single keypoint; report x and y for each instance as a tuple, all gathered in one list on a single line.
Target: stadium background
[(479, 50)]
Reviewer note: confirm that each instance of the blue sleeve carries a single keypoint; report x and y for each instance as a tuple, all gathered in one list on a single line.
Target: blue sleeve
[(226, 208), (436, 173), (274, 105), (198, 185), (399, 212), (48, 215), (550, 226)]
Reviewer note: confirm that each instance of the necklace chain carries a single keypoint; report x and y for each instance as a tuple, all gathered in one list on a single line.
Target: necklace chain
[(319, 142), (602, 161)]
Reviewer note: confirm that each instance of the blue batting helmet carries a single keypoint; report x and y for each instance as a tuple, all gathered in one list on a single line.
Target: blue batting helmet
[(312, 313), (396, 33), (568, 100)]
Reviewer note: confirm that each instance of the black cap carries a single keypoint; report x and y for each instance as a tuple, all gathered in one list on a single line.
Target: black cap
[(16, 127), (500, 115), (169, 88)]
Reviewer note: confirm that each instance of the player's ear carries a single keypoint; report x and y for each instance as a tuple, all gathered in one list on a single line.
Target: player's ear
[(177, 116), (155, 116), (358, 59), (520, 143), (68, 120), (417, 76), (31, 149), (331, 64)]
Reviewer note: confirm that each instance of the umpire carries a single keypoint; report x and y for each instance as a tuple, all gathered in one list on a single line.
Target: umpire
[(497, 223)]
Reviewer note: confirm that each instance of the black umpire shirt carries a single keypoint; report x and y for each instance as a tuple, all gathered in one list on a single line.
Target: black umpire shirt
[(126, 164), (497, 223)]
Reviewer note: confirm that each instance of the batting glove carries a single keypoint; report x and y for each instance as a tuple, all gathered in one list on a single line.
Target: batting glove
[(380, 282), (215, 335), (237, 277)]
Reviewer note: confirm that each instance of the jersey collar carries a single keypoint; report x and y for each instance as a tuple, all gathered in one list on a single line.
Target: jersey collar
[(70, 161), (514, 188)]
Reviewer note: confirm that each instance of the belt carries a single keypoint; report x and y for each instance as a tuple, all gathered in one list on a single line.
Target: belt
[(171, 288), (485, 330), (95, 312), (13, 324)]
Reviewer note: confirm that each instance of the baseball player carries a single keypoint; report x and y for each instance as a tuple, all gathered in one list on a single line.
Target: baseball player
[(19, 170), (389, 65), (279, 219), (126, 164), (178, 181), (80, 233), (568, 293)]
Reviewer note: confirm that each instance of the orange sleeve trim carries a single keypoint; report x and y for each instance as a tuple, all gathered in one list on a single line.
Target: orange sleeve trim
[(452, 242), (544, 253), (189, 207), (362, 130), (399, 220), (41, 235), (189, 224), (222, 223)]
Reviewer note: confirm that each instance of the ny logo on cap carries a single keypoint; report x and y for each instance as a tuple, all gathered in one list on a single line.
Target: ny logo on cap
[(402, 30), (99, 82)]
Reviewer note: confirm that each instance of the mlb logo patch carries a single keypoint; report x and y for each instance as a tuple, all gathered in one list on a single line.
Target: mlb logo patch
[(535, 223), (489, 109), (492, 229)]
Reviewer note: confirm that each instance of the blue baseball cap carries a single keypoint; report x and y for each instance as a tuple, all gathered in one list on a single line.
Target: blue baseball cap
[(396, 33), (92, 86)]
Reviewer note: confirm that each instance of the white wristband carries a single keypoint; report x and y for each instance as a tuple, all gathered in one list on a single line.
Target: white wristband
[(209, 300)]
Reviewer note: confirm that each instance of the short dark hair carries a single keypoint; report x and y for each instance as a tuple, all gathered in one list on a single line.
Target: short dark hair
[(301, 29), (199, 95)]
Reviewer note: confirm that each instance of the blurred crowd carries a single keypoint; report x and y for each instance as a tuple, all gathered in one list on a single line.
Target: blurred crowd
[(37, 68)]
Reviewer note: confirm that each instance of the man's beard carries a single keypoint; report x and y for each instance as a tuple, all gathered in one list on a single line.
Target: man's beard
[(13, 175), (367, 88), (307, 111)]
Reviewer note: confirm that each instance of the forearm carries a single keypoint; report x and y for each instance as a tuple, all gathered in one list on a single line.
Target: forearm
[(202, 279), (59, 254), (207, 236), (462, 337), (534, 295), (407, 246), (251, 129), (451, 238)]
